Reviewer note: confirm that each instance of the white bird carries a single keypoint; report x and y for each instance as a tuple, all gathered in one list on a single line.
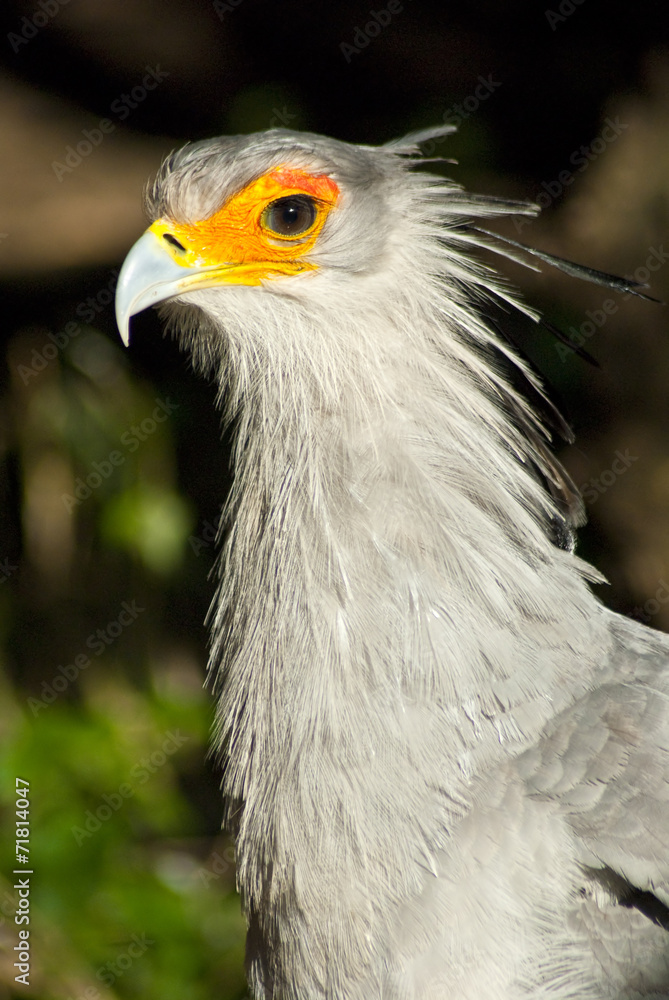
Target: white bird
[(446, 763)]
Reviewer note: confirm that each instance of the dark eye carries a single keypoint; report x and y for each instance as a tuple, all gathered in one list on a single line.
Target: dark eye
[(290, 216), (173, 241)]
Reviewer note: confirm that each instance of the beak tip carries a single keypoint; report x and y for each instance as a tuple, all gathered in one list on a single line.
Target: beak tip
[(123, 324)]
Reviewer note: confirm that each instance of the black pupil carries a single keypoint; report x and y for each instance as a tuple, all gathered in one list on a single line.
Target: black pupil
[(173, 241), (291, 216)]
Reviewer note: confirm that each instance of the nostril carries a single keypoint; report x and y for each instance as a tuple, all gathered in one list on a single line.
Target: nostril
[(173, 241)]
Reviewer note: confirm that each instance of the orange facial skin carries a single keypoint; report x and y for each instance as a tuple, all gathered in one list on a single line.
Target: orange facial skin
[(236, 239)]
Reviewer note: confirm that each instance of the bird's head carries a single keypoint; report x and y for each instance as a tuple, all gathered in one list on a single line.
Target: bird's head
[(257, 216)]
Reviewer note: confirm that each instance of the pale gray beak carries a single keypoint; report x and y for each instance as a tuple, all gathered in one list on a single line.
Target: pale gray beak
[(149, 275)]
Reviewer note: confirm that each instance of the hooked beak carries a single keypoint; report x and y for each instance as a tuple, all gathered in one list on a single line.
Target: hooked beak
[(151, 275)]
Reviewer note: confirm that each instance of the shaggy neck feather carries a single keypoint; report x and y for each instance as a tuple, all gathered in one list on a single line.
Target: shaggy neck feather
[(364, 528)]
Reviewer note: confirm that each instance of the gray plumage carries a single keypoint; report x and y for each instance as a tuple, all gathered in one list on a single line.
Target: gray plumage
[(446, 764)]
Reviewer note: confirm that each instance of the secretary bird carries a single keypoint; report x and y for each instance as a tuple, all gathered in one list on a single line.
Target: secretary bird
[(446, 763)]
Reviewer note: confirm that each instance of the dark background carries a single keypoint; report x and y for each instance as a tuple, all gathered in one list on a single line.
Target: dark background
[(124, 817)]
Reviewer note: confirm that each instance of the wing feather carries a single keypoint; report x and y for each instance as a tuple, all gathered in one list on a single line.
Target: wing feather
[(606, 762)]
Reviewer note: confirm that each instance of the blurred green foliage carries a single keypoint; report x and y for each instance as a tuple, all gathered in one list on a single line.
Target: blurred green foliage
[(115, 846), (102, 707)]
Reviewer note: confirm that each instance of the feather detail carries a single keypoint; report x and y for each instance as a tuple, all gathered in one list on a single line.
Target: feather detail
[(410, 144), (574, 270)]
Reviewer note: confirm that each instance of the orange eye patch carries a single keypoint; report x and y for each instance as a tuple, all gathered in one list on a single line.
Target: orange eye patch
[(252, 229)]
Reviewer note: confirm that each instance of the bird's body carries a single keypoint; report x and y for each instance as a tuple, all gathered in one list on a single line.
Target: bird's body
[(446, 763)]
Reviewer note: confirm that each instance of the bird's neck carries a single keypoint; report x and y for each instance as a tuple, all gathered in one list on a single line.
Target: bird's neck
[(388, 538), (388, 581)]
